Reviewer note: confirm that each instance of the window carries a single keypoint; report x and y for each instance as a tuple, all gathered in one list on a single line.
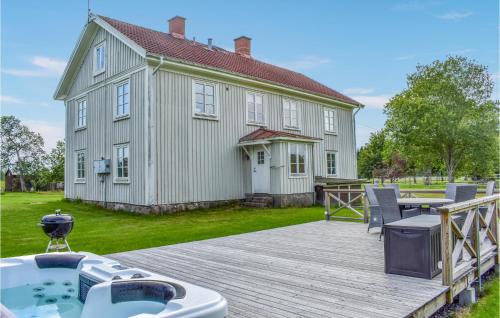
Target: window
[(260, 157), (204, 99), (82, 113), (331, 163), (255, 109), (80, 166), (122, 99), (297, 158), (100, 58), (290, 118), (331, 120), (122, 163)]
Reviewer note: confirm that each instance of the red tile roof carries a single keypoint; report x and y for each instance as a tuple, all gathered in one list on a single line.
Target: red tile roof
[(164, 44), (262, 133)]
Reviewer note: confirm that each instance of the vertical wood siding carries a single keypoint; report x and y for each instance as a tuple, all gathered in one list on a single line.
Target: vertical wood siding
[(102, 131), (198, 160)]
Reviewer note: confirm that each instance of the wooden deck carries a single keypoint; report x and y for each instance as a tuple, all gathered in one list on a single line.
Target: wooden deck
[(319, 269)]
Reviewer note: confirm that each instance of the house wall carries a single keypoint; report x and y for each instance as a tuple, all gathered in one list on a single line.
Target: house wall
[(204, 162), (102, 131)]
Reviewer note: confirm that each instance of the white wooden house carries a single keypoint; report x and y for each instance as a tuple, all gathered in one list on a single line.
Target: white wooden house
[(187, 124)]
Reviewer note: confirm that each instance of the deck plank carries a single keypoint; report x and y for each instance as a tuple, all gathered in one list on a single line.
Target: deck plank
[(318, 269)]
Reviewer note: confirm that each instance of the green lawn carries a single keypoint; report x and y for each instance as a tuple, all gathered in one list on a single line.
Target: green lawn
[(487, 306), (102, 231)]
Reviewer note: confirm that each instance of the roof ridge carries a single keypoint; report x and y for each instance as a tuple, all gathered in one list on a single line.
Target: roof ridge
[(282, 75)]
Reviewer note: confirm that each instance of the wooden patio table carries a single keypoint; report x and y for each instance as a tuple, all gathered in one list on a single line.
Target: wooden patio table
[(424, 201)]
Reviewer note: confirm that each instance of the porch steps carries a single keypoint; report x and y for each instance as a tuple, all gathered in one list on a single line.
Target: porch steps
[(258, 200)]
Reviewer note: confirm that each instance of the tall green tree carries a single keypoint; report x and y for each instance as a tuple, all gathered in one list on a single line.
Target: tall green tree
[(21, 149), (445, 115), (371, 155)]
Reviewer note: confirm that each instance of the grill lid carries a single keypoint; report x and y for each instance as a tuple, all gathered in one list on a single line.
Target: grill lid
[(57, 218)]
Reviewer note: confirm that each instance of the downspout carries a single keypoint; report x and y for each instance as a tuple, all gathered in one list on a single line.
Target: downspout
[(354, 137), (158, 66)]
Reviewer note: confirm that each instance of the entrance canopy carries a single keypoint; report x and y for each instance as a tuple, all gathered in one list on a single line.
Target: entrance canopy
[(264, 136)]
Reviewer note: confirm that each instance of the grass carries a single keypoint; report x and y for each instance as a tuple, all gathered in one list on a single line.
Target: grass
[(103, 231), (487, 306)]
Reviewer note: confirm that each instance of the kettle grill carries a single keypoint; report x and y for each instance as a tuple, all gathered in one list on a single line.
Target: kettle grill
[(57, 227)]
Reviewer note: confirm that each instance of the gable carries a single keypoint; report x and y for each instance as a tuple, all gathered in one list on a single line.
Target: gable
[(120, 56)]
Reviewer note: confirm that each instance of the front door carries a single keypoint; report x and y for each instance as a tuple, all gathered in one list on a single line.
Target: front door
[(261, 180)]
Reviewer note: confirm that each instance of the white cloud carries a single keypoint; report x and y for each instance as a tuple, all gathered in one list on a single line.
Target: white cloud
[(405, 57), (358, 90), (372, 101), (10, 100), (306, 63), (50, 132), (455, 15), (44, 67)]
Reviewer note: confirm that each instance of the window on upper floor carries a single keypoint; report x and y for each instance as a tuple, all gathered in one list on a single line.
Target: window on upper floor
[(204, 100), (122, 163), (122, 105), (331, 163), (100, 58), (80, 166), (297, 159), (290, 114), (255, 109), (331, 120), (81, 116)]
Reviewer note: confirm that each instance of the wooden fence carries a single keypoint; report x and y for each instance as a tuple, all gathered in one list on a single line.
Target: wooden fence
[(469, 242), (354, 200)]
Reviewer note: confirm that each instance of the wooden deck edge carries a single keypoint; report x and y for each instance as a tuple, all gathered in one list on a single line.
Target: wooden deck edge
[(430, 307), (462, 283)]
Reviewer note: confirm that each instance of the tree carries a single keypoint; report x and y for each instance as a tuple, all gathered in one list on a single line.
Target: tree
[(53, 167), (371, 156), (445, 116), (55, 162), (21, 150)]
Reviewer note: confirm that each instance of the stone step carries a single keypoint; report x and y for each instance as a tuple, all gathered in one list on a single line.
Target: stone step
[(256, 204), (261, 199)]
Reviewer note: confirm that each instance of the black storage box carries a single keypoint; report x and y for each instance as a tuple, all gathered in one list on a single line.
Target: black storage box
[(412, 247)]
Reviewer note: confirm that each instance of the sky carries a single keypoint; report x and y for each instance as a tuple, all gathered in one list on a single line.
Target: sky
[(363, 48)]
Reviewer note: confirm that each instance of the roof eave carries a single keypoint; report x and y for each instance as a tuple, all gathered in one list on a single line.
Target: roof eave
[(234, 75)]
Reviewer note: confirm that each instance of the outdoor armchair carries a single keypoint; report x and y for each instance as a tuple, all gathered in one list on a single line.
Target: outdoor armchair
[(387, 201)]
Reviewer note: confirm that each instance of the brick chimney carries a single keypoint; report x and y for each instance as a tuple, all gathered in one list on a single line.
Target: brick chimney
[(242, 46), (177, 27)]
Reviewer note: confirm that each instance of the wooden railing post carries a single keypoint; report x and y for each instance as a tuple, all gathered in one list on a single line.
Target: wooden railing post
[(327, 205), (446, 252), (365, 208)]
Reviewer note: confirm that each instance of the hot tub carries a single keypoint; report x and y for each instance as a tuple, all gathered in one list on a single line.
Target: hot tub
[(86, 285)]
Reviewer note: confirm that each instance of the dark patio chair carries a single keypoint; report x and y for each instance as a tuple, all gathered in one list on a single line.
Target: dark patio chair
[(389, 207), (375, 214), (490, 190), (396, 188), (458, 192)]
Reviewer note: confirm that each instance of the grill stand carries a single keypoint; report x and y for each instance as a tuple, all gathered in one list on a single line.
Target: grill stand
[(57, 246)]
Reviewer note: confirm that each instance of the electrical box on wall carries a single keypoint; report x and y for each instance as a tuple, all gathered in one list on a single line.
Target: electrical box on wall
[(102, 166)]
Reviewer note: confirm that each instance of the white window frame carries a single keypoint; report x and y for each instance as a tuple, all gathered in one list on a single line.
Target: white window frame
[(287, 106), (97, 71), (84, 116), (335, 153), (204, 115), (116, 178), (78, 178), (291, 146), (330, 128), (115, 99), (264, 109)]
